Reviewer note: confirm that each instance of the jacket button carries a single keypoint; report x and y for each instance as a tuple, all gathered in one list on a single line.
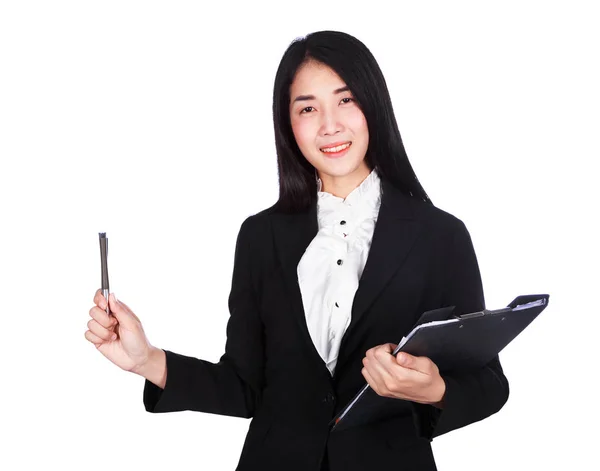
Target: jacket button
[(329, 398), (340, 261), (342, 222)]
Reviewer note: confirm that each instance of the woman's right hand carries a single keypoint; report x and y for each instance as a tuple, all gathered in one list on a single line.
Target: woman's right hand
[(119, 336)]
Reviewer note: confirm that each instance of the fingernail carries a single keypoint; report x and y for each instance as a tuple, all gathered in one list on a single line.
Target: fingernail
[(114, 337), (400, 358)]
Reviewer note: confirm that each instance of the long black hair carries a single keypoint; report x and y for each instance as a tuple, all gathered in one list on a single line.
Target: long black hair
[(357, 67)]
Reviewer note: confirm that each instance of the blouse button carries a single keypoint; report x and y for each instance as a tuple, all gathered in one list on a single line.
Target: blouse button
[(340, 261)]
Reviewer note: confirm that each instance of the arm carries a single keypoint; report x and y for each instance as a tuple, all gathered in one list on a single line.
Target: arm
[(473, 396), (233, 386), (155, 369)]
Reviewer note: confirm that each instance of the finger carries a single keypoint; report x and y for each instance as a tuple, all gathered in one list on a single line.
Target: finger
[(379, 373), (388, 347), (102, 317), (375, 383), (102, 332), (369, 378), (382, 373), (385, 370), (100, 300), (93, 338), (421, 364), (383, 358)]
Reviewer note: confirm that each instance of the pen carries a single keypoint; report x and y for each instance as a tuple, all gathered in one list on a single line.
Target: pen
[(104, 266)]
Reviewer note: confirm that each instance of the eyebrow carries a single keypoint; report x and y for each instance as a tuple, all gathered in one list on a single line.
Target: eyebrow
[(312, 97)]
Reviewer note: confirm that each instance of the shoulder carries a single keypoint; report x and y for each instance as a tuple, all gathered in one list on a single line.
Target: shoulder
[(397, 203), (255, 226), (442, 228), (434, 217)]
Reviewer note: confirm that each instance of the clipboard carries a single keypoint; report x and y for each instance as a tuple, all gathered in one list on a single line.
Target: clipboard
[(453, 343)]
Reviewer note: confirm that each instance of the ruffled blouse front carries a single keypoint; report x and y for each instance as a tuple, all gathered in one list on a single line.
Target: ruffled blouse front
[(329, 270)]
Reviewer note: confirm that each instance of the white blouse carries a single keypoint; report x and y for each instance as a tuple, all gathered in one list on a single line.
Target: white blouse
[(329, 270)]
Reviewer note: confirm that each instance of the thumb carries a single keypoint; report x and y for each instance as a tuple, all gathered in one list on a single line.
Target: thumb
[(404, 359), (123, 314)]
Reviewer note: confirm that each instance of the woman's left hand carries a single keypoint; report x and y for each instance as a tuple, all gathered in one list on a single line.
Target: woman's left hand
[(403, 376)]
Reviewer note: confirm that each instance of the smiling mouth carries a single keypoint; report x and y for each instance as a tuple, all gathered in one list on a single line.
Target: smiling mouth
[(333, 150)]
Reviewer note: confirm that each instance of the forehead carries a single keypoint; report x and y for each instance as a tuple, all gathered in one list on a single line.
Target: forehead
[(315, 77)]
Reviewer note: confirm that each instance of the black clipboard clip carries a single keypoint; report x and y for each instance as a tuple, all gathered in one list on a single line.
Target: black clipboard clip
[(484, 312)]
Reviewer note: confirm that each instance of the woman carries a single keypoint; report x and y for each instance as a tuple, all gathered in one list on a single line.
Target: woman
[(349, 257)]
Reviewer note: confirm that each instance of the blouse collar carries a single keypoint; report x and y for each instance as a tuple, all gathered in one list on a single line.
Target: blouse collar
[(369, 188), (365, 197)]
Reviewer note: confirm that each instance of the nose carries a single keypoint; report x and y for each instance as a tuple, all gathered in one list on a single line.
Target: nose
[(330, 123)]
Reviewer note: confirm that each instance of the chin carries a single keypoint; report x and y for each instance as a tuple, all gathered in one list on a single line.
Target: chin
[(340, 172), (340, 168)]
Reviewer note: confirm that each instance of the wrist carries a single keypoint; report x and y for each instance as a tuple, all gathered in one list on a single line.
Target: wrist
[(154, 368), (438, 398), (150, 364)]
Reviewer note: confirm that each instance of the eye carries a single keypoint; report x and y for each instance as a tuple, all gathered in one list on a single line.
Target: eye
[(307, 109), (347, 100)]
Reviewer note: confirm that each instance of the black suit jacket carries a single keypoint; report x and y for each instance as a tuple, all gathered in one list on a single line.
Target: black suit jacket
[(421, 258)]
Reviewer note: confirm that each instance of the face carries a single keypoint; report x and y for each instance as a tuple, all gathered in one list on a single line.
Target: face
[(329, 127)]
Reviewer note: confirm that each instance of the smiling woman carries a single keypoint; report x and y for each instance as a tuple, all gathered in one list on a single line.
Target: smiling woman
[(328, 124), (329, 91), (347, 260)]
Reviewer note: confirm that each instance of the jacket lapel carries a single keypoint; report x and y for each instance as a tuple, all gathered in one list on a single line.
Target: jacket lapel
[(394, 235), (292, 235)]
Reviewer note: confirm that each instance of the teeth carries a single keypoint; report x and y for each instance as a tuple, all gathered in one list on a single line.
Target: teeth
[(336, 149)]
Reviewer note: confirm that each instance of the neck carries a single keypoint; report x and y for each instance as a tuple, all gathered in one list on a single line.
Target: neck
[(342, 186)]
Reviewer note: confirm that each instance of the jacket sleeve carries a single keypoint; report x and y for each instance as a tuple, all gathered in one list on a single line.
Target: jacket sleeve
[(475, 395), (233, 386)]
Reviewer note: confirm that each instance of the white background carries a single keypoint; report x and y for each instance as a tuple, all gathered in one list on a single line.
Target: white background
[(152, 121)]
